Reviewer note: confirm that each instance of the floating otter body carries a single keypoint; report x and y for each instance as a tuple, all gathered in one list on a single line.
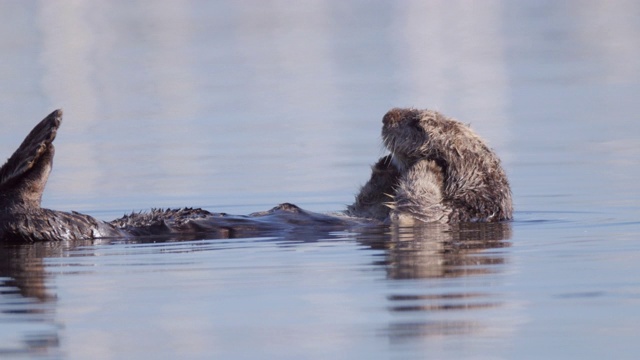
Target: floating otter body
[(439, 171)]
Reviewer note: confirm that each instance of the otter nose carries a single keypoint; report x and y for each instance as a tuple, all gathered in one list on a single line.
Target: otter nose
[(393, 116)]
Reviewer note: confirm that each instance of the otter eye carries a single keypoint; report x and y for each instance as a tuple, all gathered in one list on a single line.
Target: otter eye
[(415, 124)]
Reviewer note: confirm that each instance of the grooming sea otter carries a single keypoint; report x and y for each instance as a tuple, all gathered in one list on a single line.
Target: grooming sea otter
[(439, 171)]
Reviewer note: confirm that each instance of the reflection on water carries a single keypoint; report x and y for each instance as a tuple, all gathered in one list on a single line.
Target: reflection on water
[(419, 254), (25, 304), (440, 251)]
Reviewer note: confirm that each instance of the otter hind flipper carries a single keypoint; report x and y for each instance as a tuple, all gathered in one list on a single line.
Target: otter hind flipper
[(32, 148)]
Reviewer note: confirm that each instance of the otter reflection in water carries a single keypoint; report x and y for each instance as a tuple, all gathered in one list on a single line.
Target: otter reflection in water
[(438, 171), (418, 309)]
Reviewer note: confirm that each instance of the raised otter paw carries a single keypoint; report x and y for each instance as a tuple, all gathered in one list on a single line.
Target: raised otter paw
[(377, 192), (418, 195)]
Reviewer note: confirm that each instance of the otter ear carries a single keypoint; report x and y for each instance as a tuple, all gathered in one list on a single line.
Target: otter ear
[(31, 150)]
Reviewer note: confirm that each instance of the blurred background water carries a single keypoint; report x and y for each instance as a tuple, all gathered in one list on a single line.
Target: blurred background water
[(237, 106)]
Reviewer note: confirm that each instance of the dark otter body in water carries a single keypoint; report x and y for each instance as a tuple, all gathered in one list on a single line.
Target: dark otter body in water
[(439, 171), (22, 219)]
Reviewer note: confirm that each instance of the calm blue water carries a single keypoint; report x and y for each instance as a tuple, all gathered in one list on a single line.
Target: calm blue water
[(237, 106)]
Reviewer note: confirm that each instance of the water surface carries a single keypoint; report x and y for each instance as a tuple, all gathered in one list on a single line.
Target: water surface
[(238, 106)]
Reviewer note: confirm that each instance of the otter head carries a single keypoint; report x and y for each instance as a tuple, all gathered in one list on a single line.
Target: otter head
[(412, 135)]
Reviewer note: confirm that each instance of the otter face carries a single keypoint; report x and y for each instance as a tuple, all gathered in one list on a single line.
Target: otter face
[(406, 135)]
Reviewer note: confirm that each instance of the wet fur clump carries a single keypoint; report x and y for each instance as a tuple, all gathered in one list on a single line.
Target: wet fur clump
[(159, 221), (439, 170)]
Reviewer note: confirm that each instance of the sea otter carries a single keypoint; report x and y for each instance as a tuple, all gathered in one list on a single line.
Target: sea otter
[(438, 171)]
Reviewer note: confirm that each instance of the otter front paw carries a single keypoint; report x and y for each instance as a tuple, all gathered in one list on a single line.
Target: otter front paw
[(379, 190), (418, 195)]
